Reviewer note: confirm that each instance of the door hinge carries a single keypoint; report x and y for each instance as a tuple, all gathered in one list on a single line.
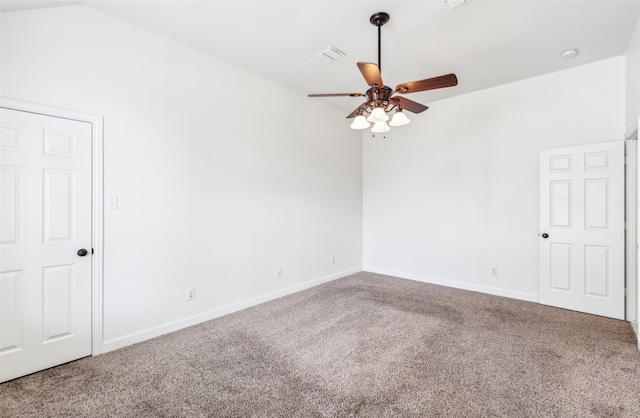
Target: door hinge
[(92, 251)]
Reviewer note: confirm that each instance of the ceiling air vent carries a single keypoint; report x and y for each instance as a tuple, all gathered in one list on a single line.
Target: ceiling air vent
[(329, 54), (455, 3)]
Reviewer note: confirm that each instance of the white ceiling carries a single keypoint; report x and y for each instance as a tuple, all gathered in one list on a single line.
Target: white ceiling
[(484, 42)]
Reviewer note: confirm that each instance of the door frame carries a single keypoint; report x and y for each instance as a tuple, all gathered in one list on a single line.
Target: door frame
[(633, 225), (97, 203)]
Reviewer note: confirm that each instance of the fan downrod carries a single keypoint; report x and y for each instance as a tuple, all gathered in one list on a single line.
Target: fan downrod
[(379, 19)]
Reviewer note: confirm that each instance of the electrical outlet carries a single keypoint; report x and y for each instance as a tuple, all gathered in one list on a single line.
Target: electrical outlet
[(333, 260), (494, 271), (279, 272), (191, 293)]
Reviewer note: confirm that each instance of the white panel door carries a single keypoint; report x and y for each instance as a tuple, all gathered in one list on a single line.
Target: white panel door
[(582, 228), (45, 219)]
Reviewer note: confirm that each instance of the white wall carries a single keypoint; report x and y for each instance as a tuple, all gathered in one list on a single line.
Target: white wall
[(456, 191), (633, 79), (222, 176), (631, 123)]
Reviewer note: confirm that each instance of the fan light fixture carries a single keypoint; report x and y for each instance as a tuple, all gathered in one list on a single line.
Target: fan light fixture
[(399, 119), (380, 127), (360, 122), (380, 99), (378, 115)]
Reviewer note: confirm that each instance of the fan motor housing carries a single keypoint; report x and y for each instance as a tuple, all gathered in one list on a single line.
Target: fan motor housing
[(379, 97)]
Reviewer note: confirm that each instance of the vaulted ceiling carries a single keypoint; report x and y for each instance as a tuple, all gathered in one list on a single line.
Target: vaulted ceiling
[(485, 42)]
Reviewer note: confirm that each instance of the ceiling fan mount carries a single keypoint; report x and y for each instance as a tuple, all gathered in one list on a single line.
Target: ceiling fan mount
[(379, 96), (379, 19)]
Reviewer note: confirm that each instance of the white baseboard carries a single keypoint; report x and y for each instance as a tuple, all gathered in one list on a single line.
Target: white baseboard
[(530, 297), (147, 334)]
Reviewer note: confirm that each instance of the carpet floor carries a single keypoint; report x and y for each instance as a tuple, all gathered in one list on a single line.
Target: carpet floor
[(366, 345)]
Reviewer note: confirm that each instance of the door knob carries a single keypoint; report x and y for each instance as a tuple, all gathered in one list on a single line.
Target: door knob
[(545, 235), (82, 252)]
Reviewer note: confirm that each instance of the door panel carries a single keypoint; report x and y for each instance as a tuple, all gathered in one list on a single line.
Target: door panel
[(560, 266), (10, 312), (596, 205), (45, 311), (561, 204), (596, 273), (582, 211)]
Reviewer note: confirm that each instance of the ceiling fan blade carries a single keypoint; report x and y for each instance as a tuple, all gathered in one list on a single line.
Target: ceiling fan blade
[(409, 105), (355, 113), (371, 73), (336, 94), (448, 80)]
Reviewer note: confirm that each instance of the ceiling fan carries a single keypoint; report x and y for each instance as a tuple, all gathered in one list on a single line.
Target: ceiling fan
[(380, 99)]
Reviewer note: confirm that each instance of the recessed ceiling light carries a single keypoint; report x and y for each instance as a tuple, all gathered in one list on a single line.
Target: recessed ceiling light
[(569, 53)]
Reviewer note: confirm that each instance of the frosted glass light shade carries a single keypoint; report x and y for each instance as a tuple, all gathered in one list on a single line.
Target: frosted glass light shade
[(380, 127), (360, 122), (399, 119), (378, 115)]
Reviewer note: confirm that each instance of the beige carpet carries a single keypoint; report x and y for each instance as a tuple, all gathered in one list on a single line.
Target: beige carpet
[(363, 346)]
